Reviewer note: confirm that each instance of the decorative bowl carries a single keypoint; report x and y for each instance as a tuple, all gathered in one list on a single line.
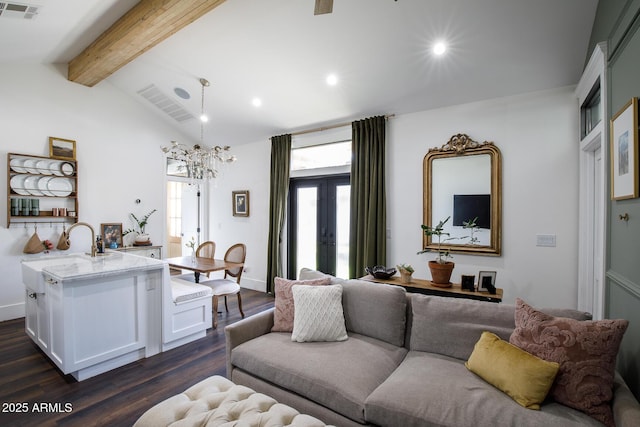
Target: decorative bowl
[(381, 272)]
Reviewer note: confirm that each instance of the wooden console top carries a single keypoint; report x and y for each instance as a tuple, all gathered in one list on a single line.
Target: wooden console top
[(426, 287)]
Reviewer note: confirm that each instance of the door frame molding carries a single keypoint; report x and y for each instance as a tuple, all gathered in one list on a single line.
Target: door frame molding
[(591, 295)]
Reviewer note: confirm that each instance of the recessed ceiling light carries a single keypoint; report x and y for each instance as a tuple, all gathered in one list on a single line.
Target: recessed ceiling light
[(181, 93), (439, 48), (257, 102), (204, 118), (332, 80)]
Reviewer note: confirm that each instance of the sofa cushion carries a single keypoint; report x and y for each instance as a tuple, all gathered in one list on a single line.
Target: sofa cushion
[(435, 320), (435, 390), (452, 326), (376, 310), (309, 274), (318, 314), (523, 376), (284, 305), (586, 352), (337, 375)]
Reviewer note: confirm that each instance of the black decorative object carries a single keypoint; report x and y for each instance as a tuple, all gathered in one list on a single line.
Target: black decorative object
[(381, 272)]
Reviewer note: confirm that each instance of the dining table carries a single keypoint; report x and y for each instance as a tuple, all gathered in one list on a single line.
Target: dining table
[(200, 265)]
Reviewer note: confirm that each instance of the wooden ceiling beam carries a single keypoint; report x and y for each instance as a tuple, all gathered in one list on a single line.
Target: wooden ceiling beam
[(144, 26)]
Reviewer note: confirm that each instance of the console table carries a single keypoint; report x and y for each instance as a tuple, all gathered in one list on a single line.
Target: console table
[(422, 286)]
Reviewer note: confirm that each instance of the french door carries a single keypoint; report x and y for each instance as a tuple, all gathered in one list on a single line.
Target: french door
[(318, 231)]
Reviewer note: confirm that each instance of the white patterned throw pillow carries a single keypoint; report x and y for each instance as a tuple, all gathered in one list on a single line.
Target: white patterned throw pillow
[(318, 314)]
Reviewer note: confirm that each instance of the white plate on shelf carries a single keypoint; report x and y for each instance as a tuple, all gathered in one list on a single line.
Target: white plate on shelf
[(17, 165), (44, 167), (30, 166), (56, 168), (67, 169), (31, 185), (17, 184), (60, 187), (43, 185)]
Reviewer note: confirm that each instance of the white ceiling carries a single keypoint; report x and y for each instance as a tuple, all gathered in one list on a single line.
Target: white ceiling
[(279, 51)]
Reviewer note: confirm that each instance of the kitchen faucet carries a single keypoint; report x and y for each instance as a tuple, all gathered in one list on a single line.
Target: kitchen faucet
[(94, 250)]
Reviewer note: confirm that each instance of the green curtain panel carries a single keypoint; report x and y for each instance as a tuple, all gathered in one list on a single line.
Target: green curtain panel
[(368, 240), (279, 188)]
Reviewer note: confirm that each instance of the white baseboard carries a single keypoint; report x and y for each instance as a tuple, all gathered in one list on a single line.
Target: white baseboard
[(253, 284), (13, 311)]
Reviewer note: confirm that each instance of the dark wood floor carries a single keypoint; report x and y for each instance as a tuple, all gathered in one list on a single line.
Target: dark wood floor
[(115, 398)]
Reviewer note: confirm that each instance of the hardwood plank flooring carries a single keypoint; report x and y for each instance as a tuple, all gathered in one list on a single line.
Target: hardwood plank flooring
[(28, 379)]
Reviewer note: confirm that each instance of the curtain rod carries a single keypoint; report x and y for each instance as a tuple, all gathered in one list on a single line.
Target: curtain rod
[(339, 125)]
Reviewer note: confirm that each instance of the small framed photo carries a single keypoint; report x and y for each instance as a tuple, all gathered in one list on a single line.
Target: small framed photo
[(64, 149), (240, 203), (486, 281), (624, 152), (111, 235)]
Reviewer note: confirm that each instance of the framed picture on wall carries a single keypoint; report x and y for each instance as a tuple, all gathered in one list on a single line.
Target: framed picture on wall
[(64, 149), (240, 203), (111, 235), (624, 152)]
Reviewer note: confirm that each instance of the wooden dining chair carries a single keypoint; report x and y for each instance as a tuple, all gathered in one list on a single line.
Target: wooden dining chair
[(230, 284), (206, 250)]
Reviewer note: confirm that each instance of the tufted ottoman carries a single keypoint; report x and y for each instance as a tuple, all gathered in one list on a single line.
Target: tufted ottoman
[(216, 401)]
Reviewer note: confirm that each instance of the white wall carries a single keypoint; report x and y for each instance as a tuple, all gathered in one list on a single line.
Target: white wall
[(118, 155), (119, 161), (250, 172), (537, 136)]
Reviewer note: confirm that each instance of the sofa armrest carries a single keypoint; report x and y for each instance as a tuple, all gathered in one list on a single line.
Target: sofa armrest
[(246, 330), (626, 409)]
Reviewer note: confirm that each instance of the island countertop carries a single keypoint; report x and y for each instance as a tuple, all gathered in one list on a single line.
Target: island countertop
[(78, 266)]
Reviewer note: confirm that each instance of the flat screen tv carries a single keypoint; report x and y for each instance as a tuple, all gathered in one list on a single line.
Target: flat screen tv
[(469, 206)]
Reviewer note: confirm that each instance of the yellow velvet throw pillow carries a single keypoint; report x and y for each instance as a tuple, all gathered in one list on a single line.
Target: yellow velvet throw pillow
[(521, 375)]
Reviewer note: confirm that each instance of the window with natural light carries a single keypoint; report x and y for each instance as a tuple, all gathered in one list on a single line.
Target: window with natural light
[(321, 156)]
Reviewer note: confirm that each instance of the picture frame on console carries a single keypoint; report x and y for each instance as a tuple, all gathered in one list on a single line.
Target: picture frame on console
[(624, 152), (487, 281), (111, 235)]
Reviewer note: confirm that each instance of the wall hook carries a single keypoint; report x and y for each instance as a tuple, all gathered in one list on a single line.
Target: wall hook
[(624, 217)]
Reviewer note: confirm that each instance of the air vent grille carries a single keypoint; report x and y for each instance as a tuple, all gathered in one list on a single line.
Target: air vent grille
[(18, 10), (155, 96)]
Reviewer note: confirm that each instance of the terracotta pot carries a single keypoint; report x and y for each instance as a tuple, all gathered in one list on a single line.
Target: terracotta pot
[(441, 273)]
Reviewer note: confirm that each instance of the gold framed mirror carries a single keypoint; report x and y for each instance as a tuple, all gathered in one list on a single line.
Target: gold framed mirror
[(463, 182)]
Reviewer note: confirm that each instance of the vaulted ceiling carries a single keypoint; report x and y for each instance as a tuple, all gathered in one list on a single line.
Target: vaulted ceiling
[(280, 53)]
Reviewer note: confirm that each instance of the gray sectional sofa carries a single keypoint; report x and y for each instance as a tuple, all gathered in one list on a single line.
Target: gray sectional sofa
[(402, 365)]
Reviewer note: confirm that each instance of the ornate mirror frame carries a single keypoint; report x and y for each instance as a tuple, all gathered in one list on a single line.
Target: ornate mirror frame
[(458, 146)]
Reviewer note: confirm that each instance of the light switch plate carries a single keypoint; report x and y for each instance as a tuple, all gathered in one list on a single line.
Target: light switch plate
[(547, 240)]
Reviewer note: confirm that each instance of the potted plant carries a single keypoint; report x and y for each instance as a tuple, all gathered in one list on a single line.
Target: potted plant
[(142, 238), (441, 269), (406, 270)]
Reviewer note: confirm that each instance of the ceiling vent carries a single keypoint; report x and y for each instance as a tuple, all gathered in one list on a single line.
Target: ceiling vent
[(155, 96), (18, 10)]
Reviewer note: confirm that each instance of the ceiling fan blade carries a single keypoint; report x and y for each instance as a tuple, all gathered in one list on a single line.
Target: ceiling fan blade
[(323, 6)]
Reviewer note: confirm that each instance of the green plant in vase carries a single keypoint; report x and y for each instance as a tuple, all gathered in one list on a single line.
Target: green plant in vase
[(406, 270), (142, 238)]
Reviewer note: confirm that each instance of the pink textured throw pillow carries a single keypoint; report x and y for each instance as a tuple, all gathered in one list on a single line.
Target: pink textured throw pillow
[(283, 314), (586, 351)]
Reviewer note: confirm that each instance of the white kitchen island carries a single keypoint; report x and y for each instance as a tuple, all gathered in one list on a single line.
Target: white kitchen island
[(90, 315)]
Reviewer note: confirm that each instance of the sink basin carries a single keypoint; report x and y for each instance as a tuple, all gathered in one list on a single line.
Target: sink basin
[(32, 269)]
